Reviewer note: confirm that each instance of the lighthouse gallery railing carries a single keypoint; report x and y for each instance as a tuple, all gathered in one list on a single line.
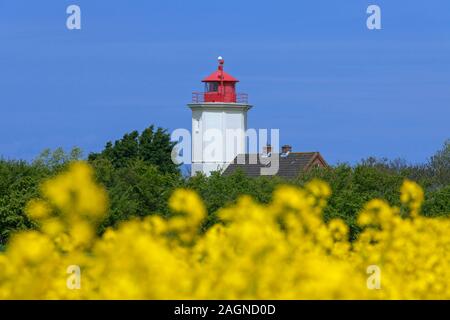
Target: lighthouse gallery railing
[(199, 97)]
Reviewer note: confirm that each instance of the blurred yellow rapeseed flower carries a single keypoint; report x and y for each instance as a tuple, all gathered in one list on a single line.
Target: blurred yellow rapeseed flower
[(75, 193), (282, 250), (190, 213), (412, 196)]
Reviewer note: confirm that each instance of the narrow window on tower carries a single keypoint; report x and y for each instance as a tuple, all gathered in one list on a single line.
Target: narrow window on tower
[(212, 87)]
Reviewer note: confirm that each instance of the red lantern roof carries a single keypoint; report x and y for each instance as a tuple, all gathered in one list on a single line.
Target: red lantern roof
[(215, 76), (220, 75)]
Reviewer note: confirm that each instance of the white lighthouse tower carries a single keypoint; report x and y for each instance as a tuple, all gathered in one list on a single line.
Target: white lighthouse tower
[(219, 123)]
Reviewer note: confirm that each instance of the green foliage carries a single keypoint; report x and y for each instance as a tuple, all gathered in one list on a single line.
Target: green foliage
[(138, 173), (135, 190), (437, 203), (19, 182), (152, 147), (57, 159), (440, 165)]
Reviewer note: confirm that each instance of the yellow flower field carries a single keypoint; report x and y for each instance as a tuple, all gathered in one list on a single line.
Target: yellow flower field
[(283, 250)]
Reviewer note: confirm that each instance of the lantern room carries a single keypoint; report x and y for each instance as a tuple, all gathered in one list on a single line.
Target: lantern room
[(220, 87)]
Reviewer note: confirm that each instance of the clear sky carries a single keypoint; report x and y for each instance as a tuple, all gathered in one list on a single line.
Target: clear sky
[(311, 68)]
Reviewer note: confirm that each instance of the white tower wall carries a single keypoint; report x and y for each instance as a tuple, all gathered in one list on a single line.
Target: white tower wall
[(218, 135)]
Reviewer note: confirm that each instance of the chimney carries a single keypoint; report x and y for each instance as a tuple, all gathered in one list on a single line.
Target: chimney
[(286, 149), (267, 149)]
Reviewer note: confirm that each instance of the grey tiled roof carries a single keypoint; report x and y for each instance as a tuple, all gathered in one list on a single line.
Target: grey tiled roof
[(289, 166)]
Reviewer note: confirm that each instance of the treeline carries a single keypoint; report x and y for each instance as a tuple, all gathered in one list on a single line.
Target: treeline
[(139, 176)]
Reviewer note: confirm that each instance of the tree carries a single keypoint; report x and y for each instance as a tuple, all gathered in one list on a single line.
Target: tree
[(19, 183), (58, 158), (152, 147), (437, 203), (440, 164)]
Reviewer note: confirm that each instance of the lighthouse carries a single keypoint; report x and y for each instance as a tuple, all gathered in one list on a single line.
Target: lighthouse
[(219, 122)]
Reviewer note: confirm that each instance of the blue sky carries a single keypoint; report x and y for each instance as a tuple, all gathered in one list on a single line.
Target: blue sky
[(311, 68)]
